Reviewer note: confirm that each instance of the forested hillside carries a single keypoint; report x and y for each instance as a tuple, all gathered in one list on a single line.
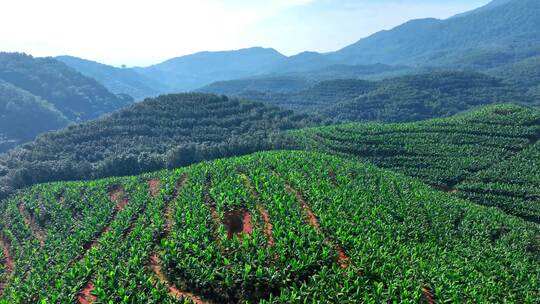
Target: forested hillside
[(23, 116), (273, 227), (423, 96), (75, 95), (406, 98), (117, 80), (485, 154), (168, 131)]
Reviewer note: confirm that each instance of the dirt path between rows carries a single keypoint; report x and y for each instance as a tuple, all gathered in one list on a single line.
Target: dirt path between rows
[(9, 262), (31, 222), (343, 259), (153, 186), (154, 262), (262, 210), (117, 195), (155, 265), (86, 296)]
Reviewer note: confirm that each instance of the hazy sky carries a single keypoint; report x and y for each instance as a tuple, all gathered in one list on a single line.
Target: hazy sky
[(142, 32)]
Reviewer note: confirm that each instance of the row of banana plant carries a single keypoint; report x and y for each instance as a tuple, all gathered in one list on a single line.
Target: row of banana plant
[(405, 242)]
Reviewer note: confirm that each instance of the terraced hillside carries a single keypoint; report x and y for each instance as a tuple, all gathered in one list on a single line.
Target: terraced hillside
[(271, 227), (167, 131), (400, 99), (489, 142)]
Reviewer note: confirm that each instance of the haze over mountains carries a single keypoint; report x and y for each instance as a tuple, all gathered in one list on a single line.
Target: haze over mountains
[(42, 94), (496, 35)]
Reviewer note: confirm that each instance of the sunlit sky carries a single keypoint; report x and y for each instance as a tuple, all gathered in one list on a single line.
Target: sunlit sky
[(143, 32)]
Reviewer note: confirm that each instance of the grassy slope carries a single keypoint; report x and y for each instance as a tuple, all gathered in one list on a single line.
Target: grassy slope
[(400, 240), (442, 152)]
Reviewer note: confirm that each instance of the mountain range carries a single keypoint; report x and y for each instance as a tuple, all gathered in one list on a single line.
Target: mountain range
[(42, 94), (499, 34)]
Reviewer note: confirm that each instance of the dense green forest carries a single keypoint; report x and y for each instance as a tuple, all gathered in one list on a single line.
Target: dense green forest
[(272, 227), (493, 149), (405, 98), (75, 95), (168, 131), (117, 80), (423, 96), (23, 116)]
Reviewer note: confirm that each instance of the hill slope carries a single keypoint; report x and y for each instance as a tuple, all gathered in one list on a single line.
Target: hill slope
[(75, 95), (116, 80), (423, 96), (406, 98), (445, 152), (23, 116), (167, 131), (262, 228), (503, 33)]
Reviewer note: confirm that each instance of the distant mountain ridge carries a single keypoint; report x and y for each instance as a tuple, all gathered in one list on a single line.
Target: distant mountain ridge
[(43, 94), (502, 32)]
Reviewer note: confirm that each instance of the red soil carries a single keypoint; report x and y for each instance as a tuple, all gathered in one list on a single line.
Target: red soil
[(267, 224), (427, 296), (153, 259), (86, 296), (248, 226), (343, 259), (9, 262), (238, 222), (312, 219), (31, 222), (153, 184), (155, 265), (117, 195)]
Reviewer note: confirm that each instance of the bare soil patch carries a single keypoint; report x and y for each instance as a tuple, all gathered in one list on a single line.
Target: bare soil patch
[(343, 259), (86, 296), (262, 210), (116, 194), (427, 296), (155, 265), (9, 263), (153, 186), (31, 222), (237, 222)]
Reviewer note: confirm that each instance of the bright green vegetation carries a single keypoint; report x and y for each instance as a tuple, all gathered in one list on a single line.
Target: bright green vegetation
[(513, 184), (168, 131), (24, 115), (396, 235), (445, 152), (78, 97), (406, 98)]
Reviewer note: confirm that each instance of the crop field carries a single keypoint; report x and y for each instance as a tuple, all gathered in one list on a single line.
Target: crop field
[(497, 141), (270, 227)]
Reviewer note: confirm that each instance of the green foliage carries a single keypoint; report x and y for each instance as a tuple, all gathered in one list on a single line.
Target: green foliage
[(75, 95), (399, 235), (406, 98), (446, 152), (24, 115), (423, 96), (168, 131)]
